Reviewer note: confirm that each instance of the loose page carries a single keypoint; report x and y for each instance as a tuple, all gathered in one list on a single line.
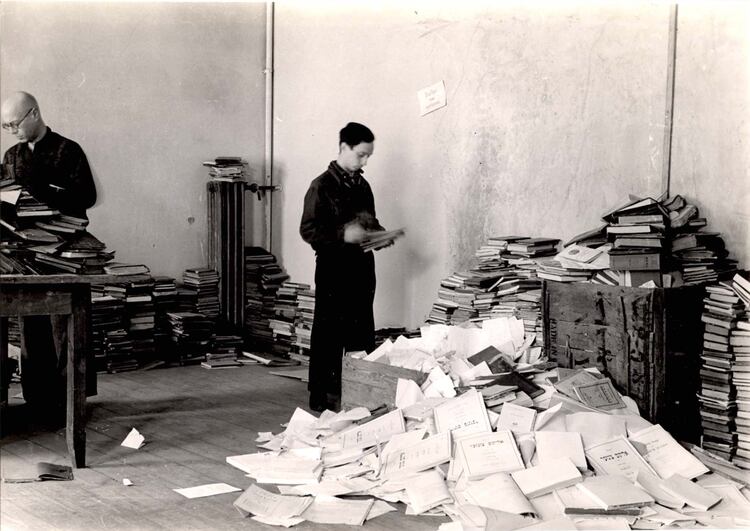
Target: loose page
[(260, 502), (427, 490), (206, 490), (485, 454), (667, 456), (374, 432), (425, 454), (517, 419), (543, 479), (463, 415), (332, 510), (693, 494), (617, 457), (498, 492), (655, 487), (134, 440), (596, 428), (551, 445)]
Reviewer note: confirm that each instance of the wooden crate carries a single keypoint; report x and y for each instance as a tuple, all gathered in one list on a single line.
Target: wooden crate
[(648, 341), (371, 384)]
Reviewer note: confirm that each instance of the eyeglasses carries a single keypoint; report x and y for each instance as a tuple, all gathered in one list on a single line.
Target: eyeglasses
[(12, 127)]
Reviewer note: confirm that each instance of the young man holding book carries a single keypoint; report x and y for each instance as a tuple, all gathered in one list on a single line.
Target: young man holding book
[(55, 171), (339, 212)]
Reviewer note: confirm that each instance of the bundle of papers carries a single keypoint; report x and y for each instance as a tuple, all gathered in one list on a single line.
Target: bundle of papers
[(557, 464)]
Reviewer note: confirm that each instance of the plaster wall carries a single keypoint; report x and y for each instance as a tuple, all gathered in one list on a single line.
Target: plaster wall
[(553, 116), (711, 140), (149, 90)]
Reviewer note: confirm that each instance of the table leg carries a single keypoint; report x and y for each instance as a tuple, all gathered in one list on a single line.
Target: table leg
[(76, 388), (3, 360)]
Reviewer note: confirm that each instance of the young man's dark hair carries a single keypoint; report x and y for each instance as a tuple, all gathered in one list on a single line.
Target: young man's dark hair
[(354, 133)]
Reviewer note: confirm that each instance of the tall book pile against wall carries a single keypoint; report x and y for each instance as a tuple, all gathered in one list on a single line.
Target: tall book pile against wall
[(205, 283), (139, 312), (286, 318), (118, 351), (263, 277), (164, 295), (739, 341), (303, 323), (718, 393), (107, 315)]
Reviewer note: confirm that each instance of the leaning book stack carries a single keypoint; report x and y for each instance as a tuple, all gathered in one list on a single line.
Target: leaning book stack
[(718, 393), (739, 341)]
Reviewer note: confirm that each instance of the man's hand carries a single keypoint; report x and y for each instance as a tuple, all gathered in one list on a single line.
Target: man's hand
[(354, 233)]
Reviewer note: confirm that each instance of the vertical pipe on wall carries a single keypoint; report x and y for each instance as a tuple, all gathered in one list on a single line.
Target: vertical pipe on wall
[(268, 153), (669, 112)]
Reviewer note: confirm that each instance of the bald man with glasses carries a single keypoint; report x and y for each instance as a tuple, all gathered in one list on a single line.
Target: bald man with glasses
[(55, 171)]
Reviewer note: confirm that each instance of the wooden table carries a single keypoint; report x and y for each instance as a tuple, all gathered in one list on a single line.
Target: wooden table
[(64, 294)]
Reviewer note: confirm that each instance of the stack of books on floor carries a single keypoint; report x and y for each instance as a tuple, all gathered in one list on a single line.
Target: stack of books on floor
[(164, 295), (223, 352), (118, 351), (230, 169), (284, 322), (107, 315), (263, 277), (739, 341), (718, 394), (303, 323), (204, 282), (191, 334), (502, 284), (139, 313)]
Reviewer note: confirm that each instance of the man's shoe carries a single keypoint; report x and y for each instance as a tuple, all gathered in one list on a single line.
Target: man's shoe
[(318, 403)]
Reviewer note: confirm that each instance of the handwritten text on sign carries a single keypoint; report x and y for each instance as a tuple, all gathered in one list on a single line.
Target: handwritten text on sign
[(431, 98)]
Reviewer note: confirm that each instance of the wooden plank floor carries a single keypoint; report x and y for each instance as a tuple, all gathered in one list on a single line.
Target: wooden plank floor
[(192, 419)]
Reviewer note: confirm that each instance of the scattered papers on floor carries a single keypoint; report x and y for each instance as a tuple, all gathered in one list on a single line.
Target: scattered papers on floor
[(558, 463), (133, 440), (202, 491)]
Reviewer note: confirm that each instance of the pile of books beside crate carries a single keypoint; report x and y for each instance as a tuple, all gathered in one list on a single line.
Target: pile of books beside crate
[(502, 283), (725, 372)]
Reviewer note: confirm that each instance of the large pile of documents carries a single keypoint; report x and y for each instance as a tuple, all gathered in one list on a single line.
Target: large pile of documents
[(578, 456)]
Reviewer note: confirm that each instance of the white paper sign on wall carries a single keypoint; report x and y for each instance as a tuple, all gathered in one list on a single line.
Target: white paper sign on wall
[(431, 98)]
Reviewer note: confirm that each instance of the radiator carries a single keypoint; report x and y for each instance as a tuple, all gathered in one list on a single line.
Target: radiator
[(226, 245)]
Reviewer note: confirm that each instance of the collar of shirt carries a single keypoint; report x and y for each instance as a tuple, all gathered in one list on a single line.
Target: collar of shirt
[(45, 135), (343, 177)]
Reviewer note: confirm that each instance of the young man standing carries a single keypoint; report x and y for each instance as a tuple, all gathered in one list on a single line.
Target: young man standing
[(339, 211)]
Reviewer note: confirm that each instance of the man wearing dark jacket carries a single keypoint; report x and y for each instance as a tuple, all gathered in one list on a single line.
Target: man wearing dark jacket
[(55, 171), (339, 211)]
